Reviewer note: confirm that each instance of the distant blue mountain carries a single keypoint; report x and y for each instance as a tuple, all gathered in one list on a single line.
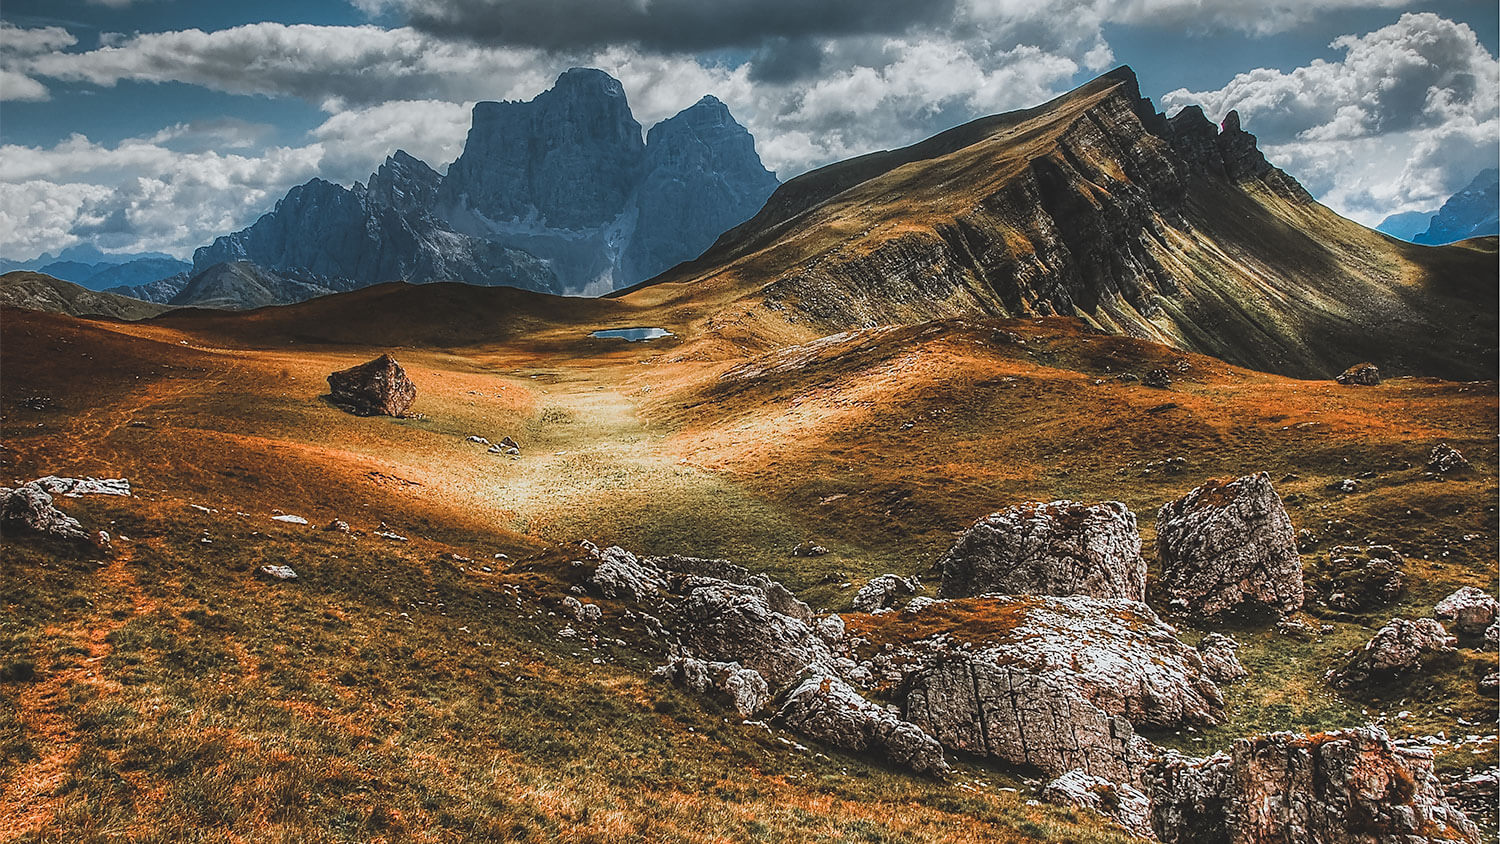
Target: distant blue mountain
[(1406, 225), (1472, 212)]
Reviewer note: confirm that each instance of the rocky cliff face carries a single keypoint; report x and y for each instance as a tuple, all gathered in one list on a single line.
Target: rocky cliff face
[(1097, 206), (567, 177)]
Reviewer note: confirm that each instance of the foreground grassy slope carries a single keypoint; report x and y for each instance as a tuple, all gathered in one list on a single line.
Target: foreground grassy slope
[(397, 692)]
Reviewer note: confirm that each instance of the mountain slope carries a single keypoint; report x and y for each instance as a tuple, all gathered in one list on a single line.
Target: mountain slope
[(41, 292), (1094, 205)]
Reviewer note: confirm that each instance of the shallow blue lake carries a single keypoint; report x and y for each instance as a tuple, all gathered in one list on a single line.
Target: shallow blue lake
[(632, 334)]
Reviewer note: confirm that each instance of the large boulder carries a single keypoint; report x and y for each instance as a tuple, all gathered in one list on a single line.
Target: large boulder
[(1120, 802), (884, 592), (29, 508), (1399, 648), (620, 574), (1061, 548), (826, 708), (1345, 787), (1047, 682), (1360, 375), (1228, 546), (1470, 609), (733, 622), (377, 388)]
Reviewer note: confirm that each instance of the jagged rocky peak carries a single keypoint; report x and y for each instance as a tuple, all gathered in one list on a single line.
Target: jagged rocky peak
[(568, 158), (703, 177), (403, 182), (1227, 150)]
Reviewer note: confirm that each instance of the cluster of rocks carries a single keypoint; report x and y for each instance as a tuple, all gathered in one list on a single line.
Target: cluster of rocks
[(1355, 579), (506, 446), (1346, 787), (1039, 652), (377, 388), (1445, 459)]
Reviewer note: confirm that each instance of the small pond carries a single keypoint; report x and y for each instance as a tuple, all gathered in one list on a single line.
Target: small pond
[(632, 334)]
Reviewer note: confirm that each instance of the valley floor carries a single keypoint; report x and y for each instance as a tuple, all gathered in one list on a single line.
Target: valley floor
[(429, 688)]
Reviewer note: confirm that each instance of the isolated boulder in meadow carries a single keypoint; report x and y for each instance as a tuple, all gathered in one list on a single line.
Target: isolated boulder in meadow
[(1061, 548), (826, 708), (1345, 787), (1470, 610), (377, 388), (1227, 546), (884, 592), (1397, 649), (1359, 375)]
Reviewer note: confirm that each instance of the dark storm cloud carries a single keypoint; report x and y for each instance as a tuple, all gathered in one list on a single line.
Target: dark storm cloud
[(664, 25)]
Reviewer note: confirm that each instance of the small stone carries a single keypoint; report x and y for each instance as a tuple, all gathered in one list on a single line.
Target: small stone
[(278, 572), (884, 592), (289, 519), (809, 549), (1446, 459), (1161, 379), (337, 526), (476, 439)]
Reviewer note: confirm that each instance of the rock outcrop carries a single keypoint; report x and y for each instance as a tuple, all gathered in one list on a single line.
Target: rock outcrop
[(1345, 787), (1397, 649), (29, 509), (1120, 802), (1061, 548), (1045, 682), (884, 592), (377, 388), (736, 622), (1220, 661), (1446, 459), (826, 708), (1360, 375), (740, 687), (1470, 610), (1229, 546)]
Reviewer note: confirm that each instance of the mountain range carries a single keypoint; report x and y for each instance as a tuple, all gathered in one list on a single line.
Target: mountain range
[(560, 194)]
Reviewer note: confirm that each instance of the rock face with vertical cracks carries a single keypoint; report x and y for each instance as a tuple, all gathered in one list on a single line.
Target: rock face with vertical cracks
[(1345, 787), (1049, 683), (1061, 548), (1228, 546)]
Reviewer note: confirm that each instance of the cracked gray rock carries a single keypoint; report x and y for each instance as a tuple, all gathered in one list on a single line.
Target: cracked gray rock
[(884, 592), (1228, 546), (743, 688), (1120, 802), (1346, 787), (826, 708), (1399, 648), (1061, 548)]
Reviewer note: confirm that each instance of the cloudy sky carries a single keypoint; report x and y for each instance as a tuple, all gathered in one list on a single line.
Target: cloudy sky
[(158, 124)]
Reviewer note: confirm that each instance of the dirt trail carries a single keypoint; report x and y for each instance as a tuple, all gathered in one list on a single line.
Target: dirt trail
[(28, 798)]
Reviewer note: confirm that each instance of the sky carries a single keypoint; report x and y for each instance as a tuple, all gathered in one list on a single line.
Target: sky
[(157, 125)]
